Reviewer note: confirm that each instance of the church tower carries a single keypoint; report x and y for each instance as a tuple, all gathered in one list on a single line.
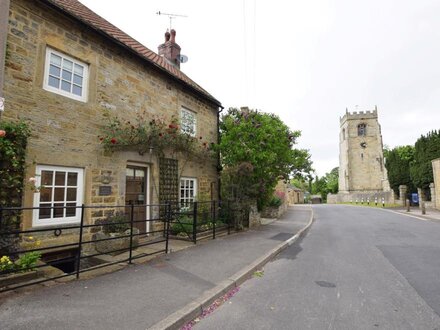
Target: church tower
[(362, 172)]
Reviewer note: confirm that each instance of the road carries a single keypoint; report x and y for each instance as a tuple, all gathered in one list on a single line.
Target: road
[(357, 268)]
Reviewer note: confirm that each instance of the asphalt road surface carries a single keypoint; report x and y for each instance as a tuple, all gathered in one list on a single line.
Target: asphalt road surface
[(357, 268)]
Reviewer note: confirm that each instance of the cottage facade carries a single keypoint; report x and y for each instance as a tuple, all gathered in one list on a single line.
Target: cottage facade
[(65, 67)]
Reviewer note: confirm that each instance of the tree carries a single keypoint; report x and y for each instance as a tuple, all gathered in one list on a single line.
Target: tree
[(256, 151), (426, 149), (398, 166), (326, 184)]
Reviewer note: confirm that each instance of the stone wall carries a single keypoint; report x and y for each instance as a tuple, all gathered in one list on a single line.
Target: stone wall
[(65, 131), (436, 188)]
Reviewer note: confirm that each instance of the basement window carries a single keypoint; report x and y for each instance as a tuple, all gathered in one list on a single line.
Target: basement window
[(65, 75)]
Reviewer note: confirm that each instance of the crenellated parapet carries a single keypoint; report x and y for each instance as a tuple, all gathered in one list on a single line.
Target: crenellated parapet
[(360, 115)]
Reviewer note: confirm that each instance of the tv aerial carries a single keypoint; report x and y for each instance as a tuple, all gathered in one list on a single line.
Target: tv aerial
[(170, 16)]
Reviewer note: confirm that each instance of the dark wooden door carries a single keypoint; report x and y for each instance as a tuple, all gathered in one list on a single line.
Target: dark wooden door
[(136, 194)]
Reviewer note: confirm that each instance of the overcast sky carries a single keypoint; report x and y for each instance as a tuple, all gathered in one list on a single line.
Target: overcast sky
[(306, 61)]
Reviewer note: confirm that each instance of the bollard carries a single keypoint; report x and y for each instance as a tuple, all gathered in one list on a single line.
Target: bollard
[(368, 201), (423, 208), (362, 201), (375, 201), (356, 200), (383, 202), (408, 207)]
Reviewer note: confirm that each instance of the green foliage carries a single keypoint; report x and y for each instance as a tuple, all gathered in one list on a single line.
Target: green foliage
[(275, 202), (398, 167), (256, 151), (12, 162), (116, 223), (157, 134), (326, 184), (426, 149), (28, 261), (13, 142)]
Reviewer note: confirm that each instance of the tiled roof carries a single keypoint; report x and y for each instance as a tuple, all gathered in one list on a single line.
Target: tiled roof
[(90, 18)]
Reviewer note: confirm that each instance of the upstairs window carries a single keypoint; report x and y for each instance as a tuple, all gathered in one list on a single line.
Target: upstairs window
[(362, 130), (343, 134), (188, 121), (65, 76)]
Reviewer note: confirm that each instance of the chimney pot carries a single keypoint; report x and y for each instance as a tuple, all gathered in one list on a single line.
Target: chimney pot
[(167, 36), (173, 35)]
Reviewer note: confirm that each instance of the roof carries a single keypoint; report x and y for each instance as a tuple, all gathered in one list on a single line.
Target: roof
[(87, 16)]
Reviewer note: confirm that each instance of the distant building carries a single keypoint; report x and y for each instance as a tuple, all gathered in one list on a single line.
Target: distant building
[(362, 172)]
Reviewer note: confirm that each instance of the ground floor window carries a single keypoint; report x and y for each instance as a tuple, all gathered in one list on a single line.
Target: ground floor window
[(60, 195), (188, 190)]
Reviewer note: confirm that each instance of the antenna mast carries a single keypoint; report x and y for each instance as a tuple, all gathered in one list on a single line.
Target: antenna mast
[(170, 16)]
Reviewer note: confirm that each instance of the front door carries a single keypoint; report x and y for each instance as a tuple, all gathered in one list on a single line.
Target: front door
[(136, 194)]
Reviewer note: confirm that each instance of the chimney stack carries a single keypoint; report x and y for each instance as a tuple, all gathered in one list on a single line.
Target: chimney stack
[(169, 49)]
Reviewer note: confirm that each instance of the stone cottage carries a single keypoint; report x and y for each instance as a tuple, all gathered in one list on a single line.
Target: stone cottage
[(65, 67)]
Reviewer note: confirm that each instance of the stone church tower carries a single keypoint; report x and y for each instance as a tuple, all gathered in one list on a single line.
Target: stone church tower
[(362, 172)]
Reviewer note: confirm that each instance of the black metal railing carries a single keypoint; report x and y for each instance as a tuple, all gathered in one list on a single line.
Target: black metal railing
[(115, 236)]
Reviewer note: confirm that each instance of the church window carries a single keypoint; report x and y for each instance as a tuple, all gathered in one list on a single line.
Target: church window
[(343, 134), (362, 130)]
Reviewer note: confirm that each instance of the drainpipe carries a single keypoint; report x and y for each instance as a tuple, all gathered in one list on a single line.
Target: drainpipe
[(218, 155), (4, 18)]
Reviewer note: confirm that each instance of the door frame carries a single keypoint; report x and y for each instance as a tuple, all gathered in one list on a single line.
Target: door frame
[(146, 167)]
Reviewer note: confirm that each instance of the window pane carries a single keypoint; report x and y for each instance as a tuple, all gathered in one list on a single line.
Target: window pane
[(129, 172), (67, 65), (54, 82), (59, 194), (77, 90), (65, 86), (77, 80), (54, 71), (67, 75), (45, 194), (44, 212), (71, 194), (55, 59), (72, 179), (60, 178), (71, 209), (140, 173), (58, 211), (79, 70), (46, 178)]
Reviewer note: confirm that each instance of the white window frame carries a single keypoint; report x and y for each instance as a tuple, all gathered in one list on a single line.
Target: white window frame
[(184, 113), (36, 221), (59, 91), (186, 200)]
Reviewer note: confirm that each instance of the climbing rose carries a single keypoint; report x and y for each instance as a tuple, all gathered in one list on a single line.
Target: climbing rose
[(2, 133), (113, 141)]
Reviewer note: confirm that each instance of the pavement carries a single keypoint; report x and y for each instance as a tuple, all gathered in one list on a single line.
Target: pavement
[(164, 293), (415, 211)]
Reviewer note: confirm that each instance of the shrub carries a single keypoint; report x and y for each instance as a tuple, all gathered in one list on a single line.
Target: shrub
[(275, 202), (117, 223)]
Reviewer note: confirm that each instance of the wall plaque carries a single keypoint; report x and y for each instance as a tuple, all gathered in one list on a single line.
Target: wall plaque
[(105, 190)]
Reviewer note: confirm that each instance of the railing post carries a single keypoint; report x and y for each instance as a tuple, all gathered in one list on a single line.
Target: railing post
[(214, 220), (195, 222), (167, 225), (131, 232), (78, 256)]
